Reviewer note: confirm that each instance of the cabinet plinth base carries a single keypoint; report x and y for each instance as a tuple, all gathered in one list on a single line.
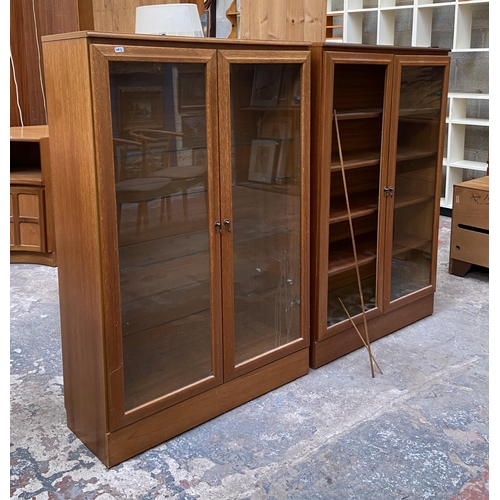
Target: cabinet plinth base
[(348, 340), (23, 257), (159, 427)]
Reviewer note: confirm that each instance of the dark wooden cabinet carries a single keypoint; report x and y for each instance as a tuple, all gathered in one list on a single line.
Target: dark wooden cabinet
[(31, 214), (181, 177), (380, 116)]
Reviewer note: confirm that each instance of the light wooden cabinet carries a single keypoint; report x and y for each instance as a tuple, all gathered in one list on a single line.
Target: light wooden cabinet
[(375, 192), (183, 224), (470, 226), (31, 218)]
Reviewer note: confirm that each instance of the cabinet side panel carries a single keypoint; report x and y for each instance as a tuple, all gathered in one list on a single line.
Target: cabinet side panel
[(75, 213)]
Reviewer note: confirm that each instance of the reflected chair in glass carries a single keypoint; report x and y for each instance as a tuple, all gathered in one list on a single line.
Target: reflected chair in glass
[(160, 144), (131, 185)]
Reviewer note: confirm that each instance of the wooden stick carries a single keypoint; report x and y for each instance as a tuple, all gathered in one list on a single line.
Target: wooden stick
[(353, 243), (360, 336)]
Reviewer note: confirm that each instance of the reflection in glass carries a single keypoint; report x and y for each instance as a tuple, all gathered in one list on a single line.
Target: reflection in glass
[(160, 146), (266, 176), (414, 190)]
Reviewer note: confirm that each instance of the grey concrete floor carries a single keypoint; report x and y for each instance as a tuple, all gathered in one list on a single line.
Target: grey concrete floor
[(419, 431)]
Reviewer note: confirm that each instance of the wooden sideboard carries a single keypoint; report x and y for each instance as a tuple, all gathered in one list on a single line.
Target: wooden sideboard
[(31, 214)]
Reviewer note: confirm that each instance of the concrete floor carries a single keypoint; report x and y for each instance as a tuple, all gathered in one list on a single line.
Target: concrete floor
[(419, 431)]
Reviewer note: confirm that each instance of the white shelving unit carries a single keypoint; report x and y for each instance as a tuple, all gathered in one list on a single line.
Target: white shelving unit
[(450, 24), (459, 124)]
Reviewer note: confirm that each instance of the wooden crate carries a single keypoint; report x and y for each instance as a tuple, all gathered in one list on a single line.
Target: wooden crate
[(470, 226)]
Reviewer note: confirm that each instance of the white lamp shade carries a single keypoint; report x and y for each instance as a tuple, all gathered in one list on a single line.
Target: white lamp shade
[(178, 19)]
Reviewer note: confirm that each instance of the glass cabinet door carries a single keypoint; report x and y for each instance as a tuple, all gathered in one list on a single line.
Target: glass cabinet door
[(165, 192), (359, 118), (160, 145), (265, 169), (417, 163)]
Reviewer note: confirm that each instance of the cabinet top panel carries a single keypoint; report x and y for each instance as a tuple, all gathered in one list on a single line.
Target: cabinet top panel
[(112, 37), (181, 41), (384, 49), (29, 134)]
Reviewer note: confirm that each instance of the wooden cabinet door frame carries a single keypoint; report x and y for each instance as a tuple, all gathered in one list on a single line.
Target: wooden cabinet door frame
[(100, 56), (399, 62), (322, 186), (226, 58)]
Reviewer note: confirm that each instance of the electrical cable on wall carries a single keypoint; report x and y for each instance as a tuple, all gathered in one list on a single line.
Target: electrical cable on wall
[(17, 90), (39, 60)]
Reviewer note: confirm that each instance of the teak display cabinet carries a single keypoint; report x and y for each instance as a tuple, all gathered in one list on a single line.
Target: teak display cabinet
[(379, 121), (181, 177)]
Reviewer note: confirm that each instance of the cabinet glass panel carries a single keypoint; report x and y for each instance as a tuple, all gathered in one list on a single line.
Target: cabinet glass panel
[(160, 148), (358, 102), (415, 183), (266, 191)]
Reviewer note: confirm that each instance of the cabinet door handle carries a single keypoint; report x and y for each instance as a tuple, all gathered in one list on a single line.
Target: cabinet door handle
[(218, 224), (389, 191), (227, 223)]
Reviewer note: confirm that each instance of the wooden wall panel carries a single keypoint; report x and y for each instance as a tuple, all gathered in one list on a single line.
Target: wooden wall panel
[(32, 19), (29, 21), (121, 18), (288, 20)]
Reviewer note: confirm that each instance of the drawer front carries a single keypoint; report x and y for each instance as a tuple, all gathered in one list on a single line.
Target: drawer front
[(470, 246), (27, 219)]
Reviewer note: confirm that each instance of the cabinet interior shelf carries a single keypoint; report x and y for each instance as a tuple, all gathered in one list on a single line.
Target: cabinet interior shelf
[(405, 154), (408, 112), (269, 108), (357, 159), (406, 200), (341, 255), (360, 204), (405, 242), (30, 176), (358, 114)]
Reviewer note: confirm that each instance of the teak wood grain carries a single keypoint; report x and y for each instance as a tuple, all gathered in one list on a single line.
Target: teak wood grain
[(74, 182), (291, 20), (131, 374), (363, 87)]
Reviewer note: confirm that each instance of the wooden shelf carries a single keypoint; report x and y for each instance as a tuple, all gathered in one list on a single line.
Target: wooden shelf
[(361, 204), (405, 154), (357, 159), (341, 256), (30, 177), (418, 112), (358, 114), (405, 200), (405, 242)]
